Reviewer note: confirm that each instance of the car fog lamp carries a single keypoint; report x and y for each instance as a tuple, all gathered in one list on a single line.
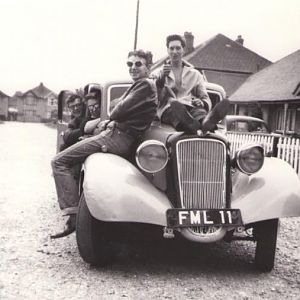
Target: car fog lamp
[(151, 156), (250, 159)]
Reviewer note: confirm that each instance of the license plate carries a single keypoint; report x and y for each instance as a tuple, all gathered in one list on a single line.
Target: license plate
[(203, 217)]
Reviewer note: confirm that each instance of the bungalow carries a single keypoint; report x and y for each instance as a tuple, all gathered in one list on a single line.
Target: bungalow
[(273, 94), (35, 105), (222, 60)]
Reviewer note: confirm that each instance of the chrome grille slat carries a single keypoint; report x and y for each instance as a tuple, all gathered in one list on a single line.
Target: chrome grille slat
[(201, 173)]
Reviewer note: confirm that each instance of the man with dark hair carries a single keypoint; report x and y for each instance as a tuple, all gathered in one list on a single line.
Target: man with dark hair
[(175, 37), (93, 106), (183, 99), (75, 127), (132, 115)]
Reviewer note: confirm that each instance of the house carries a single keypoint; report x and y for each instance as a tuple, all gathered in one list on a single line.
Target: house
[(273, 94), (223, 61), (3, 106), (35, 105)]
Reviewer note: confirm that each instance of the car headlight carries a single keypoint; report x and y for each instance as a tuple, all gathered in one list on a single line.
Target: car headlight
[(151, 156), (250, 158)]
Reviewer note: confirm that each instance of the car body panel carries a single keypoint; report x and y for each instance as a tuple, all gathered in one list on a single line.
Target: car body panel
[(272, 192), (121, 193)]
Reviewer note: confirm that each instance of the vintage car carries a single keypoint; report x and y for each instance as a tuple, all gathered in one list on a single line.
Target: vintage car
[(239, 123), (181, 186)]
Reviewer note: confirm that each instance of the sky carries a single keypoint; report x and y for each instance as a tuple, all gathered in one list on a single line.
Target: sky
[(68, 43)]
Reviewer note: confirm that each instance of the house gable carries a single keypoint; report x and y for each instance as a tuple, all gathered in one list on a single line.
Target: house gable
[(3, 95), (223, 54), (39, 92), (278, 82)]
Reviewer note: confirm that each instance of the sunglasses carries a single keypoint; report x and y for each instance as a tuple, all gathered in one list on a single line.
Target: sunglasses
[(137, 64)]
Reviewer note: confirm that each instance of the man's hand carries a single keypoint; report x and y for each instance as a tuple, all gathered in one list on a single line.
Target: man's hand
[(197, 102), (102, 125), (166, 69)]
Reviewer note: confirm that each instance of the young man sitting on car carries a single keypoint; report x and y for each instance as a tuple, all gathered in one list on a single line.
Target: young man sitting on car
[(82, 122), (76, 107), (183, 100), (93, 120), (133, 114)]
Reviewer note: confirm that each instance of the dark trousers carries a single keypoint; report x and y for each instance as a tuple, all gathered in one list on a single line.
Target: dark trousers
[(112, 140), (168, 117)]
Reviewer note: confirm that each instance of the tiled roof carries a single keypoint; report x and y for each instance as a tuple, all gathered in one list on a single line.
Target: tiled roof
[(40, 91), (18, 94), (222, 53), (278, 82), (3, 95), (230, 81)]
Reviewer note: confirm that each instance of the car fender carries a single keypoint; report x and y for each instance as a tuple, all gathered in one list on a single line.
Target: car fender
[(272, 192), (115, 190)]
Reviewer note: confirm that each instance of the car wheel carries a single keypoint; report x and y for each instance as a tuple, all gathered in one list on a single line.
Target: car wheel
[(265, 233), (92, 237)]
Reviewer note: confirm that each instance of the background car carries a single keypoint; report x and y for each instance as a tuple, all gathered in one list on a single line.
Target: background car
[(239, 123)]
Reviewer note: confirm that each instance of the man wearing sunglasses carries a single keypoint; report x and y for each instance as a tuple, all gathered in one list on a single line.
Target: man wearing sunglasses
[(131, 116), (183, 99)]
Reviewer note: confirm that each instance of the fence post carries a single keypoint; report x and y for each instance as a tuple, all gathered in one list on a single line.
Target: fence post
[(275, 146)]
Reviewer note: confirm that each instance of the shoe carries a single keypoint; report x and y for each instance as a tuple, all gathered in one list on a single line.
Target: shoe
[(218, 112), (68, 229), (186, 121)]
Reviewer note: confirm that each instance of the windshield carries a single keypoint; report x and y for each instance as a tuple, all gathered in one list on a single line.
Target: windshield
[(247, 126)]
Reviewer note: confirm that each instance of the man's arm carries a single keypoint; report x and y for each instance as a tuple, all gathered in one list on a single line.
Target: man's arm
[(201, 93), (91, 125), (74, 131), (71, 136), (139, 94)]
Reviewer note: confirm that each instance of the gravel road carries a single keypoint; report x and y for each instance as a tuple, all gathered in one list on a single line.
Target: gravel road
[(34, 267)]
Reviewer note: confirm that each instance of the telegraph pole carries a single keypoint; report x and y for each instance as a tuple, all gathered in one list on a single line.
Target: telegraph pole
[(136, 24)]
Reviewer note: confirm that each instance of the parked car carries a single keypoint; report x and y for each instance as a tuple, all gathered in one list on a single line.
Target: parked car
[(239, 123), (177, 185)]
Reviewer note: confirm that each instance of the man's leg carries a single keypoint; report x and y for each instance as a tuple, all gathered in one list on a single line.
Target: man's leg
[(198, 113), (183, 117), (218, 112), (63, 166), (169, 118), (111, 140)]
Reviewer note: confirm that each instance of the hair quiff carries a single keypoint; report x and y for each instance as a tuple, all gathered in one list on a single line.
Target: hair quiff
[(147, 55), (175, 37)]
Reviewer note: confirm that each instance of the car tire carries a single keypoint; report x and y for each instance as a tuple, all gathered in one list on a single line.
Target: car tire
[(265, 233), (92, 237)]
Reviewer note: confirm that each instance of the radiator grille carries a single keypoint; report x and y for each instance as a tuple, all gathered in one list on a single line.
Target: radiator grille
[(202, 173)]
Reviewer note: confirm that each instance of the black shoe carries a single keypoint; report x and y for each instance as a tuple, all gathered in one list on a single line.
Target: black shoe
[(219, 111), (68, 229), (186, 121)]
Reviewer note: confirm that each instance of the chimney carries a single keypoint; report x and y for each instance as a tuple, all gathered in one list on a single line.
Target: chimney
[(189, 38), (240, 40)]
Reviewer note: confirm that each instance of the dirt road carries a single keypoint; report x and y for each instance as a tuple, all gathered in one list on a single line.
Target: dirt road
[(34, 267)]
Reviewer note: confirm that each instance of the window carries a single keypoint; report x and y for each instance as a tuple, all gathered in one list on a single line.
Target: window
[(114, 92), (31, 101), (290, 120), (30, 112), (52, 102)]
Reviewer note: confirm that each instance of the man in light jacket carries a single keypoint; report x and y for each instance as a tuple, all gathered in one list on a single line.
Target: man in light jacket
[(183, 100)]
